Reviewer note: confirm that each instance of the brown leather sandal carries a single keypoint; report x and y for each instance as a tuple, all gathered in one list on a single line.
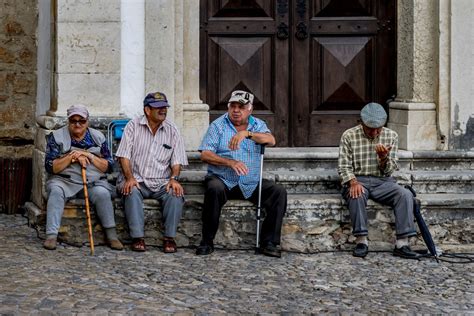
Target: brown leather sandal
[(169, 245), (139, 245)]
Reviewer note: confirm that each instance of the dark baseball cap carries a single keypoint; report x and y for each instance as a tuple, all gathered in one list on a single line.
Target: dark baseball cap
[(156, 100)]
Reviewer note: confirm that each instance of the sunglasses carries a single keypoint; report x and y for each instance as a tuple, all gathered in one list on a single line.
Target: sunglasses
[(80, 122)]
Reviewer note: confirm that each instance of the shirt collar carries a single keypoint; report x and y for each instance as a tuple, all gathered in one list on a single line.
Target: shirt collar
[(251, 120), (361, 128), (144, 121)]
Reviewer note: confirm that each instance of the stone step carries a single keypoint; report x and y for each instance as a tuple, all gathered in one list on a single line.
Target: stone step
[(327, 181), (313, 222), (443, 181), (325, 158)]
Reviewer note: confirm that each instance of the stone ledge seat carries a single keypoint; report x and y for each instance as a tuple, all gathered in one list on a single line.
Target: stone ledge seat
[(313, 222)]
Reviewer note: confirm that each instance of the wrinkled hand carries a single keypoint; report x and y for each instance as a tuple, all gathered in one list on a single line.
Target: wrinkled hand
[(175, 186), (356, 189), (83, 161), (128, 186), (382, 151), (235, 141), (239, 167), (76, 157)]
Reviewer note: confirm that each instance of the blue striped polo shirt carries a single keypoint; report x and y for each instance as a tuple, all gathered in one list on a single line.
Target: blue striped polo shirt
[(217, 140)]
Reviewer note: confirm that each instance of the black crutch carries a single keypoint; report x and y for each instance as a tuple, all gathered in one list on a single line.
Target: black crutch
[(259, 205)]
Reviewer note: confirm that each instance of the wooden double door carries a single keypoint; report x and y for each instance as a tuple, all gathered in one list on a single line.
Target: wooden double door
[(311, 64)]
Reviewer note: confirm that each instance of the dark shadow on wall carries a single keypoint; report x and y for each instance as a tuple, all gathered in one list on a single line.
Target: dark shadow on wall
[(467, 140)]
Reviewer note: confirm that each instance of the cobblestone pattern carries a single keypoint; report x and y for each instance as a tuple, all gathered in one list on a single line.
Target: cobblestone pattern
[(70, 281)]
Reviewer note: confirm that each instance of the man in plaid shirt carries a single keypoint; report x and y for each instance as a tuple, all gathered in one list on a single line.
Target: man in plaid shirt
[(367, 159)]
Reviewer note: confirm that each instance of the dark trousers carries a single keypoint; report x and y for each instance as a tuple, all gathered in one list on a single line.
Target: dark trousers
[(385, 191), (274, 200)]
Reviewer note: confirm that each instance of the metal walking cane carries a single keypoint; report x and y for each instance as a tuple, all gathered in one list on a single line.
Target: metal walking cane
[(88, 213), (259, 205)]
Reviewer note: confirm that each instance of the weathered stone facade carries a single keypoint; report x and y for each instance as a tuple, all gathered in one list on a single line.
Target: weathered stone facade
[(18, 22), (96, 42)]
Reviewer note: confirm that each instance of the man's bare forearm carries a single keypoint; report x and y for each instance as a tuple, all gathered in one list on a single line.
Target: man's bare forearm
[(126, 168), (214, 159)]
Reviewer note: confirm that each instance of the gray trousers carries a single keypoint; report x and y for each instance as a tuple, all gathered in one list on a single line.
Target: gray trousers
[(385, 191), (98, 196), (172, 207)]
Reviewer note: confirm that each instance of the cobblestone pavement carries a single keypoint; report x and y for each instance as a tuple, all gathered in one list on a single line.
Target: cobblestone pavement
[(70, 281)]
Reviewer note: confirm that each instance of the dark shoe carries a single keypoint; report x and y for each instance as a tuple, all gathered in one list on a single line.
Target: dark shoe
[(204, 249), (169, 245), (406, 252), (50, 244), (271, 250), (360, 250), (139, 245), (115, 244)]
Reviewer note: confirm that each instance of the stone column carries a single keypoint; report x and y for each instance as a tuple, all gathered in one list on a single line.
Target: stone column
[(413, 113), (195, 112), (172, 63)]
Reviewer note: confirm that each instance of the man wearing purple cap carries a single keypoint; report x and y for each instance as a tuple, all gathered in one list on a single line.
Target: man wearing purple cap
[(367, 159), (151, 154), (68, 150)]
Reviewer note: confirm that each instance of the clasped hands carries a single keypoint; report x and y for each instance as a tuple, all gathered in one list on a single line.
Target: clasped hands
[(82, 157)]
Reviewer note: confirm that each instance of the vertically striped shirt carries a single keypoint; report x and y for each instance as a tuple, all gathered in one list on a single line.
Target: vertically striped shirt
[(151, 156), (217, 139), (357, 156)]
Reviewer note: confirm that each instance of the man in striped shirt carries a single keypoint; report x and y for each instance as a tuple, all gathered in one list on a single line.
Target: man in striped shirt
[(151, 154), (231, 148), (367, 159)]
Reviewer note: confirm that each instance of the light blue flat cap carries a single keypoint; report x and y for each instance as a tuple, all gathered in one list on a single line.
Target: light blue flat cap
[(373, 115)]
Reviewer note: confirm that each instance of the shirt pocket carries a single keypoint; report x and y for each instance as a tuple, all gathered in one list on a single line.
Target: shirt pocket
[(163, 153)]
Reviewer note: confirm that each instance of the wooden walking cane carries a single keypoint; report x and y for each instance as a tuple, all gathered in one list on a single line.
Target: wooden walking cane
[(88, 213)]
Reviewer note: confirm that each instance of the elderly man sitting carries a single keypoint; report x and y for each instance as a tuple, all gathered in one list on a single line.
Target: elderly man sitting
[(68, 150), (367, 159)]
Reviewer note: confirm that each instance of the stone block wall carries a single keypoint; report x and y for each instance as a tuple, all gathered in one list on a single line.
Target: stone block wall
[(18, 24)]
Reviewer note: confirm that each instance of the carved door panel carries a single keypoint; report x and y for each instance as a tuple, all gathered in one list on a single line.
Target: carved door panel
[(311, 64), (244, 45), (344, 56)]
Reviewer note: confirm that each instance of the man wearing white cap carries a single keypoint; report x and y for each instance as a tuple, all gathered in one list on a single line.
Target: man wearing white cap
[(367, 159), (231, 148), (69, 149)]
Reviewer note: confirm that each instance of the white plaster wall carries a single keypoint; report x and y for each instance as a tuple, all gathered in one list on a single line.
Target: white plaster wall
[(88, 55), (462, 65)]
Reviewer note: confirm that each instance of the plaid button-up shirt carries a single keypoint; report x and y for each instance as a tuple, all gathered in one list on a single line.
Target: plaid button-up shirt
[(357, 156), (151, 156), (217, 140)]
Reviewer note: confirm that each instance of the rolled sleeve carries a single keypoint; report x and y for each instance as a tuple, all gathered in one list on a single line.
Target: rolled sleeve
[(105, 153), (211, 139), (261, 127), (179, 153), (345, 168), (126, 143)]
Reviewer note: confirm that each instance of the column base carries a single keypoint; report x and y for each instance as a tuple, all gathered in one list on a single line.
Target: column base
[(415, 124), (195, 123)]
